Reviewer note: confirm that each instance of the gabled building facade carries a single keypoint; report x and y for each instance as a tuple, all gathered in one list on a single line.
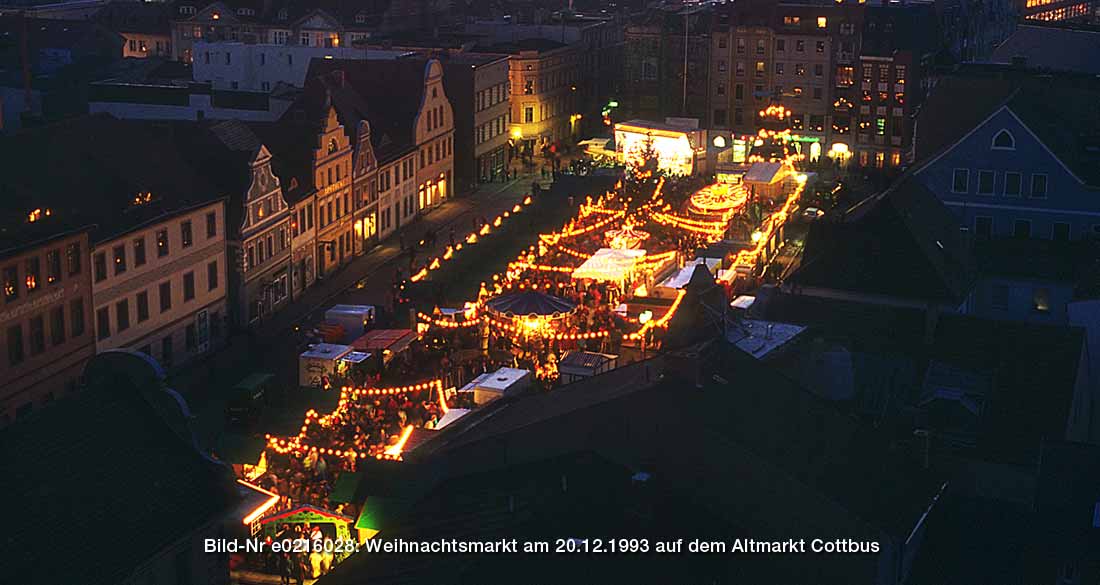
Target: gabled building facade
[(403, 127), (332, 173), (1019, 162), (258, 218)]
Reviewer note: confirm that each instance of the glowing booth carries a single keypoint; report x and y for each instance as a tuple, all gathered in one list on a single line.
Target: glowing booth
[(678, 144)]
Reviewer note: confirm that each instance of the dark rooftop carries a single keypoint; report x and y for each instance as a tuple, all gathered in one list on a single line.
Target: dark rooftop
[(1051, 48), (899, 344), (136, 17), (902, 243), (1043, 102), (117, 459), (533, 44), (385, 93), (108, 162)]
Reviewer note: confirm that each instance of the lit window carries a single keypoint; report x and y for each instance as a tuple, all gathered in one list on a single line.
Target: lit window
[(822, 22), (1040, 300)]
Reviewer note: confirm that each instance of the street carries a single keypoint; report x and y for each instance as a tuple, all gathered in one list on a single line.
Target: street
[(273, 346)]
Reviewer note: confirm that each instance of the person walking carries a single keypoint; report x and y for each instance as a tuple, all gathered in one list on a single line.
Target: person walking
[(284, 569)]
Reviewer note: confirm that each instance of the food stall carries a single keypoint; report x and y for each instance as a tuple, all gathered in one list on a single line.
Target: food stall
[(492, 385), (321, 359), (388, 342), (355, 320), (578, 365)]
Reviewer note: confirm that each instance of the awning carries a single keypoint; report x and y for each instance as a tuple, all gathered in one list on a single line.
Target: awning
[(609, 264)]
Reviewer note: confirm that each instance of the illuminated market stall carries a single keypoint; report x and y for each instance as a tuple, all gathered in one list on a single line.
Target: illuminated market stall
[(678, 145)]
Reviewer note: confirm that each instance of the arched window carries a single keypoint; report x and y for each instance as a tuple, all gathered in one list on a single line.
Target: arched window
[(1004, 140)]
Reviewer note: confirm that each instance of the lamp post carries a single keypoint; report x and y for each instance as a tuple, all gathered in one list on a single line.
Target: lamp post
[(644, 318)]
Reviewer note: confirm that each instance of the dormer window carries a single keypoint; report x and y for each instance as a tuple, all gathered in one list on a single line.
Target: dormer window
[(1004, 140), (245, 12), (187, 9), (360, 19), (332, 146), (282, 14)]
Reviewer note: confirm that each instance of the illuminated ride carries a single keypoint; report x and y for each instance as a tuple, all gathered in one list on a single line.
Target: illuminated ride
[(626, 237), (528, 313)]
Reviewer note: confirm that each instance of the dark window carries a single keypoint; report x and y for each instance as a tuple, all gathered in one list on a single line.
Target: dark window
[(1022, 229), (739, 91), (72, 256), (1004, 140), (780, 44), (142, 306), (53, 266), (139, 251), (103, 323), (185, 234), (100, 266), (122, 314), (76, 317), (188, 286), (165, 296), (15, 345), (719, 117), (166, 358), (1038, 185), (983, 226), (190, 337), (211, 224), (1060, 232), (57, 325), (1012, 184), (212, 276), (119, 254), (998, 297), (162, 243), (960, 181), (985, 182)]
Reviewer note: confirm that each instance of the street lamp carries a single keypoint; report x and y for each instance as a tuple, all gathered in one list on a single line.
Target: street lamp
[(644, 318)]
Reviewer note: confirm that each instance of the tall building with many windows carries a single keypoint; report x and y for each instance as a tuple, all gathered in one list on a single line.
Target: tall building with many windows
[(155, 255), (258, 221), (45, 332)]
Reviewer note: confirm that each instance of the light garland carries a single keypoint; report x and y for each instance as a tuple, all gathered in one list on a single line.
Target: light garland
[(445, 323), (348, 393), (662, 322), (470, 238)]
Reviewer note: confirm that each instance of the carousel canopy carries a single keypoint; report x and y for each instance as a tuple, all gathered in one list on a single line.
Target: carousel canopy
[(609, 264), (527, 303)]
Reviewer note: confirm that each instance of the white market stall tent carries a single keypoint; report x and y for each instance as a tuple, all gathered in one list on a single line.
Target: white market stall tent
[(610, 265)]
